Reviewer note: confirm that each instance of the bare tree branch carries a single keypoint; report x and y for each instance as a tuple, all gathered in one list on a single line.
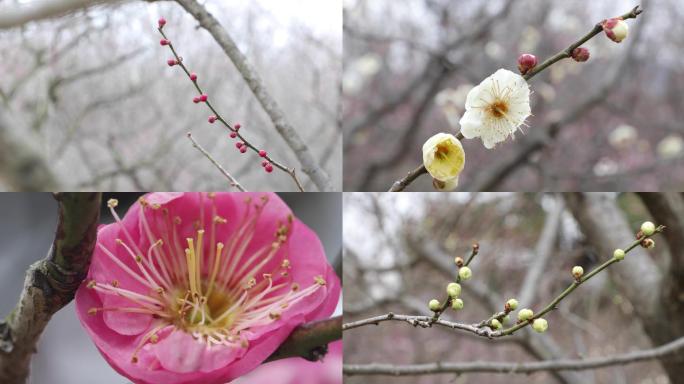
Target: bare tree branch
[(268, 103), (310, 340), (50, 283), (15, 15), (515, 368)]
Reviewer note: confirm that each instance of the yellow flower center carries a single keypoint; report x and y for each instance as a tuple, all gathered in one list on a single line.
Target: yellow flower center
[(498, 108)]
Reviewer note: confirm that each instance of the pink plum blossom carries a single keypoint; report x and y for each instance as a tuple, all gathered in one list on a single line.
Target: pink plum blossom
[(290, 371), (202, 288)]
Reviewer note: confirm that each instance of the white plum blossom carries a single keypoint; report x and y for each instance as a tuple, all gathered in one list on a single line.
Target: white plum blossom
[(496, 108)]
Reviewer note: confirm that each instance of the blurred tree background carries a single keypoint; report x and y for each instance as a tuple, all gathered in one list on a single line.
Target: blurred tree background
[(409, 66), (87, 100), (399, 254)]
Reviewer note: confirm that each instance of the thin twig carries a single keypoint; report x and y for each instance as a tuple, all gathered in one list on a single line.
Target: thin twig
[(515, 368), (404, 182), (290, 171), (482, 328), (231, 179), (277, 116), (475, 249)]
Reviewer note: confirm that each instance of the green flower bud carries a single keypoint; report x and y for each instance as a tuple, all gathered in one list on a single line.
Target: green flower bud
[(648, 228), (577, 271), (540, 325), (506, 319), (434, 305), (619, 254), (457, 304), (525, 314), (496, 324), (465, 273), (453, 290), (511, 305)]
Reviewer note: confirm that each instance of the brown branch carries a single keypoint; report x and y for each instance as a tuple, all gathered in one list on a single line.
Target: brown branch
[(179, 61), (483, 328), (50, 283), (515, 368), (310, 340)]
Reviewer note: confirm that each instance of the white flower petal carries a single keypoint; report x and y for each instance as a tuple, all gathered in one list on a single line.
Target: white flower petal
[(470, 123), (496, 108)]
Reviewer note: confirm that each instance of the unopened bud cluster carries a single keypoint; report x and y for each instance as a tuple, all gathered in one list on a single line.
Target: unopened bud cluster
[(241, 145)]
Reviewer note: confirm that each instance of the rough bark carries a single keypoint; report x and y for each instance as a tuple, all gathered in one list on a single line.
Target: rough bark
[(50, 283), (310, 340)]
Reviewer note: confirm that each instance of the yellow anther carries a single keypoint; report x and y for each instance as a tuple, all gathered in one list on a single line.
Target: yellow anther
[(274, 315), (154, 338), (295, 287), (285, 264), (319, 280), (219, 220), (92, 311), (112, 203), (115, 283), (92, 284)]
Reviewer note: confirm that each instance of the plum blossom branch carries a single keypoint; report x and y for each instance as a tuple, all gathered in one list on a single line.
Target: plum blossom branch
[(515, 368), (50, 283), (309, 165), (401, 184), (488, 328), (243, 144), (231, 179)]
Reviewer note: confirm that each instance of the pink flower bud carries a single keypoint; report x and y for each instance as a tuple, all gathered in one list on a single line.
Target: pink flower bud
[(243, 149), (237, 127), (203, 97), (268, 168), (615, 29), (239, 144), (193, 76), (264, 163), (233, 135), (580, 54), (526, 62), (195, 99), (262, 153), (211, 119), (162, 22), (171, 62), (164, 42)]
